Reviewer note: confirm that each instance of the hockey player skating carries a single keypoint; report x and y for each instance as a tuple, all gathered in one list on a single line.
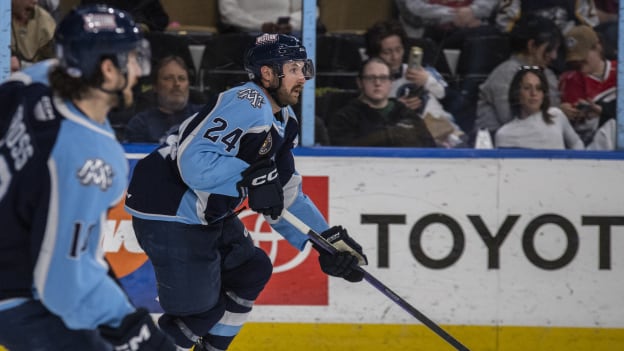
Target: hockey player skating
[(61, 169), (183, 198)]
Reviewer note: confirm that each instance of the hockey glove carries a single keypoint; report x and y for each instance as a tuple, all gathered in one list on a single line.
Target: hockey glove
[(265, 192), (343, 263), (137, 332)]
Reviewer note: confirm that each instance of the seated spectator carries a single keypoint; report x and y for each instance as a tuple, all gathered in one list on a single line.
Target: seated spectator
[(535, 124), (446, 22), (419, 87), (534, 41), (150, 15), (566, 14), (588, 90), (375, 119), (32, 32), (171, 86), (249, 16)]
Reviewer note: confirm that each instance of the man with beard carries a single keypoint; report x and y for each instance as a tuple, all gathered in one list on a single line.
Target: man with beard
[(32, 31), (172, 89), (61, 169), (183, 198)]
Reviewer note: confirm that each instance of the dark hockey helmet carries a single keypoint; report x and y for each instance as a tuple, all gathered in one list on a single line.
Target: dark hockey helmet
[(274, 50), (88, 33)]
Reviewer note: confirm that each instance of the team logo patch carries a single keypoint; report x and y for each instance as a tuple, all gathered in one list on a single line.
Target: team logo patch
[(255, 98), (266, 145), (96, 172)]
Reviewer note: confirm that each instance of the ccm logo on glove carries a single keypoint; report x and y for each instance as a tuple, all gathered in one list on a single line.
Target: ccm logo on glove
[(264, 178)]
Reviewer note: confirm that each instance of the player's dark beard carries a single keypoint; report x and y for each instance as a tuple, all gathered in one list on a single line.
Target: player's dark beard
[(274, 92)]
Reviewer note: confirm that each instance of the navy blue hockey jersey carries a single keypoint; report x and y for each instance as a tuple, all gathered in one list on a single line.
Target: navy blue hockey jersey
[(60, 172), (193, 177)]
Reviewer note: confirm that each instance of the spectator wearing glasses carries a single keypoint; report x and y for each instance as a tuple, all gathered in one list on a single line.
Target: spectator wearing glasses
[(534, 41), (375, 119), (535, 124), (419, 87)]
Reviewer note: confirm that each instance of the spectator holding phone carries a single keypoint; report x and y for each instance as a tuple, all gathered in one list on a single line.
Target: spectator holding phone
[(588, 89), (375, 119), (418, 86)]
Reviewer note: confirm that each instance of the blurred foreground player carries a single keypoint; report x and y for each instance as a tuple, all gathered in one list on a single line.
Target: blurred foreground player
[(183, 198), (61, 169)]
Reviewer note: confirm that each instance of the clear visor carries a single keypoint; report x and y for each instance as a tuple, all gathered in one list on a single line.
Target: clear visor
[(299, 67), (144, 57)]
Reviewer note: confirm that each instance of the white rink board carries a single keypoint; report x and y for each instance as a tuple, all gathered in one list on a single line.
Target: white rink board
[(467, 292)]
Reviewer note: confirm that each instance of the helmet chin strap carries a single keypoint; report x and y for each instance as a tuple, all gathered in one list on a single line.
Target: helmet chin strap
[(121, 100)]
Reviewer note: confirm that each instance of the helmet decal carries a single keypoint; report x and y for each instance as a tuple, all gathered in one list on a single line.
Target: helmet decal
[(266, 39), (94, 22)]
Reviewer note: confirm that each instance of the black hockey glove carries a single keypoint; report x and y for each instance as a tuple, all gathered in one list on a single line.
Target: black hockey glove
[(345, 262), (137, 332), (265, 192)]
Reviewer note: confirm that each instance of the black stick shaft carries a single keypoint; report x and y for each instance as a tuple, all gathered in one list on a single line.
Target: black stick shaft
[(325, 245)]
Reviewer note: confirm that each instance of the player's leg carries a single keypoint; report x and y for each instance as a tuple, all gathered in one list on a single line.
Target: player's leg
[(246, 270), (187, 264), (30, 326)]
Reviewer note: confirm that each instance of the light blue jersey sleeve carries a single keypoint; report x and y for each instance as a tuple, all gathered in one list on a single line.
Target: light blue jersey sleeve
[(37, 73), (304, 209)]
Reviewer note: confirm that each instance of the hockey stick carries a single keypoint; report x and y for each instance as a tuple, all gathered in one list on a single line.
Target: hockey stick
[(317, 239)]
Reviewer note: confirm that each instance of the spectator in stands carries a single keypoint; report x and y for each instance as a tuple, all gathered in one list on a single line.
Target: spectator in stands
[(535, 124), (446, 22), (375, 119), (150, 15), (249, 16), (534, 41), (588, 89), (420, 87), (564, 13), (32, 32), (171, 87)]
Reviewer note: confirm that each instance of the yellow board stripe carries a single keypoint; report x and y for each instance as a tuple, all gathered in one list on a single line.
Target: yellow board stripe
[(365, 337)]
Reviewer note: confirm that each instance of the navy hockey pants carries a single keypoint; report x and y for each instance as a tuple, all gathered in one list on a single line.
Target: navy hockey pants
[(208, 277), (31, 327)]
